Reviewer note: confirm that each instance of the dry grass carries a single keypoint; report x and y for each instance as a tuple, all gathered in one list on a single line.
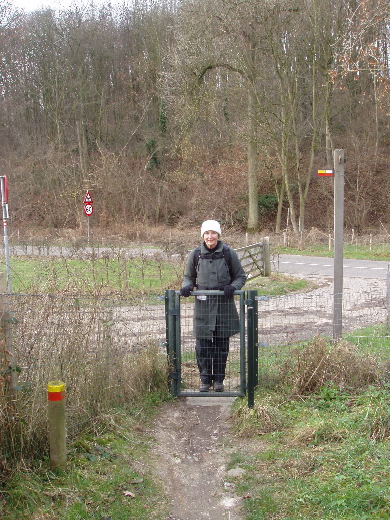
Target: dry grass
[(322, 363), (379, 421), (265, 417)]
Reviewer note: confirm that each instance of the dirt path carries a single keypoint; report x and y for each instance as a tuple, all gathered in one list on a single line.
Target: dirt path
[(193, 442)]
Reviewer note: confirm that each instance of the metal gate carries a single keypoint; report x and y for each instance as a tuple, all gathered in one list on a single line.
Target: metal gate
[(242, 365)]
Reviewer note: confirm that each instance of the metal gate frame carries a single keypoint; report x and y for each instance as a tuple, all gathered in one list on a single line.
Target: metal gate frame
[(248, 344)]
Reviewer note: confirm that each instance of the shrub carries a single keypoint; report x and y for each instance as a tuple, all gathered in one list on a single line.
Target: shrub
[(322, 363)]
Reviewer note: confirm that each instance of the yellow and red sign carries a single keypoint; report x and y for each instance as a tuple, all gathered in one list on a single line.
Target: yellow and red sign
[(55, 391), (325, 173)]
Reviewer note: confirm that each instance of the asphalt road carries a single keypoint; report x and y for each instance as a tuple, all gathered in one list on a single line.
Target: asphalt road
[(308, 266)]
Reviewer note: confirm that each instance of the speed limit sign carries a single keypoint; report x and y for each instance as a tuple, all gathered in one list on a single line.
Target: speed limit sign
[(88, 209)]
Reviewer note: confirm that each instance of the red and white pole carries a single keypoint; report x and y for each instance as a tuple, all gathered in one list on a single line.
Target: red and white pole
[(4, 205)]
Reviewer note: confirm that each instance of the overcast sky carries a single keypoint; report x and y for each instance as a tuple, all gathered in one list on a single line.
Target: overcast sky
[(32, 5)]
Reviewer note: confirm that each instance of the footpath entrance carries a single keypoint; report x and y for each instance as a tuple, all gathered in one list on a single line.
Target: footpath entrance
[(242, 364)]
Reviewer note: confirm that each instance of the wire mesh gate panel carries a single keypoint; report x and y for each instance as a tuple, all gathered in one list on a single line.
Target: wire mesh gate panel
[(181, 341)]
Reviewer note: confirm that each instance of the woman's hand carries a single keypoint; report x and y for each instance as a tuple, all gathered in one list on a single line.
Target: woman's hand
[(185, 291), (229, 291)]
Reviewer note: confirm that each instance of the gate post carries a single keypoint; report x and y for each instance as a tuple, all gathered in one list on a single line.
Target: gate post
[(253, 346), (172, 321)]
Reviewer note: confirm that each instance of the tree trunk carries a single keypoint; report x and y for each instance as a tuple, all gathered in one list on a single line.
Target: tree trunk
[(253, 206), (280, 195)]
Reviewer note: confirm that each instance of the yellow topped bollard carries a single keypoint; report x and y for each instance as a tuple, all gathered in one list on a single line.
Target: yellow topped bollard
[(57, 430)]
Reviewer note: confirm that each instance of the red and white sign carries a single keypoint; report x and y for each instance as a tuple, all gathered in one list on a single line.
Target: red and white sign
[(88, 209), (88, 198)]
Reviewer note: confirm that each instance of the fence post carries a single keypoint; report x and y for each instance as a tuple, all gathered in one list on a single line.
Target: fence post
[(253, 352), (10, 436), (57, 427), (266, 257)]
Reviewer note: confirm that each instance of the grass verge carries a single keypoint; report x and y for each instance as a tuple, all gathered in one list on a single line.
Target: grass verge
[(325, 439), (349, 251), (134, 277), (278, 285), (326, 458), (95, 276)]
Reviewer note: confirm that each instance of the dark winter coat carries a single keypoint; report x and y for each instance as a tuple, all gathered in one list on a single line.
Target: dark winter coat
[(214, 313)]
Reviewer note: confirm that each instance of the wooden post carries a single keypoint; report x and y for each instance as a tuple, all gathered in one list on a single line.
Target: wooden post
[(266, 257), (57, 428), (7, 356), (10, 433), (338, 244)]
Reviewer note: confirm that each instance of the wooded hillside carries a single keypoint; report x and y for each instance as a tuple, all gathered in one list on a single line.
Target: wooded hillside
[(173, 111)]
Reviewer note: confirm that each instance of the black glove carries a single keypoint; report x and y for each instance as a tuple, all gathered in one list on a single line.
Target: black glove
[(229, 291), (185, 291)]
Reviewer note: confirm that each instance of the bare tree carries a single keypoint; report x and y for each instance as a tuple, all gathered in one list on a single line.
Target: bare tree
[(133, 101), (282, 54), (225, 36)]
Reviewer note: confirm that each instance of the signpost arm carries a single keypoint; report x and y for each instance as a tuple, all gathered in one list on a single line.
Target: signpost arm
[(338, 243)]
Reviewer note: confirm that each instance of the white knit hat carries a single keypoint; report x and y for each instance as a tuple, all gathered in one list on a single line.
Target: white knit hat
[(210, 225)]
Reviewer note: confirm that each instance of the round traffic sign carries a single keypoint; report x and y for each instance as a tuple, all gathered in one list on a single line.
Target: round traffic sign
[(88, 209)]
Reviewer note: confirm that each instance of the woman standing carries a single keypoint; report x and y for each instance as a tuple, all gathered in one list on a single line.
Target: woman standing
[(213, 266)]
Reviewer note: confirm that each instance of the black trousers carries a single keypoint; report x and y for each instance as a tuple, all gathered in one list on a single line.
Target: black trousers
[(211, 355)]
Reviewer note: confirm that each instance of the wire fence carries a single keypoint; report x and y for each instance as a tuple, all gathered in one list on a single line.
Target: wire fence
[(377, 240), (99, 347), (286, 320)]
